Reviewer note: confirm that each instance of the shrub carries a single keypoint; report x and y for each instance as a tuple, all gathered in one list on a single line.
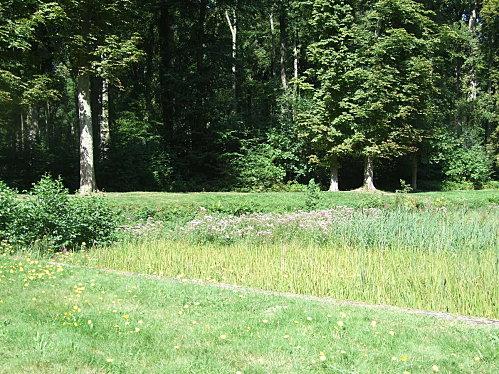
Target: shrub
[(62, 222), (8, 206), (492, 185), (312, 196), (256, 170), (456, 186)]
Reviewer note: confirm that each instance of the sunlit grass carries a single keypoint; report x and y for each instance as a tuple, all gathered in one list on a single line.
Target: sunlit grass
[(60, 320), (464, 282)]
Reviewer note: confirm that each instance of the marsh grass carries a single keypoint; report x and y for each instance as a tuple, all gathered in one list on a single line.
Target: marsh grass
[(438, 259), (464, 282)]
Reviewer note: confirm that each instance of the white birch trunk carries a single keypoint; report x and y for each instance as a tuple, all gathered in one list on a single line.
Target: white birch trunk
[(272, 35), (104, 121), (87, 171), (473, 93), (282, 43), (232, 22), (369, 175)]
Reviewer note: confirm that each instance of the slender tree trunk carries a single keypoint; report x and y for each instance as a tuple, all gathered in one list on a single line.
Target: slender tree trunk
[(232, 22), (296, 63), (414, 179), (334, 185), (473, 89), (166, 45), (369, 175), (22, 131), (283, 37), (87, 171), (33, 126), (272, 41), (104, 128)]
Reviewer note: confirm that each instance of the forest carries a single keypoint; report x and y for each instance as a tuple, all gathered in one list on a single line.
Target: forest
[(254, 95)]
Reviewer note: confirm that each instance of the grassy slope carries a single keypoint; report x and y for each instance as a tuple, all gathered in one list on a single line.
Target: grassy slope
[(175, 206), (290, 201), (189, 328)]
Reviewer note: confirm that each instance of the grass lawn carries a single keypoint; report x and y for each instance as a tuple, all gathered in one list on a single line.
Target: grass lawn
[(65, 320), (290, 201)]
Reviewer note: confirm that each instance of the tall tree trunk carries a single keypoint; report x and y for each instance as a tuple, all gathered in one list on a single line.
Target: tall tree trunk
[(414, 179), (33, 126), (296, 63), (104, 128), (369, 175), (21, 140), (166, 45), (87, 171), (334, 185), (473, 89), (283, 37), (272, 49), (232, 22)]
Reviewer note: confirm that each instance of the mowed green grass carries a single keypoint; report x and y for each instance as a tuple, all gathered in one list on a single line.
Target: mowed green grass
[(69, 320), (291, 201)]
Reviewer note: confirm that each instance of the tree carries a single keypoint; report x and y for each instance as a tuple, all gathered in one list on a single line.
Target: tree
[(392, 81), (325, 122)]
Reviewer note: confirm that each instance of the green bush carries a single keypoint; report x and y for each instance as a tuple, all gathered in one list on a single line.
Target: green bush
[(255, 169), (492, 185), (51, 216), (456, 186), (8, 206)]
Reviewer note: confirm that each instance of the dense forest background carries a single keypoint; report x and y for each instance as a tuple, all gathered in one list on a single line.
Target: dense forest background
[(193, 95)]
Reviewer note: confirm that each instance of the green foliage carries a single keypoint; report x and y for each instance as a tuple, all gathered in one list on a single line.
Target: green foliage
[(463, 160), (457, 186), (8, 207), (313, 195), (51, 216), (255, 169)]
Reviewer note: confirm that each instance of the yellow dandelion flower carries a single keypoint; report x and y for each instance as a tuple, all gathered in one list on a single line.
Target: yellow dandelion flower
[(126, 316), (404, 358), (322, 356), (476, 358)]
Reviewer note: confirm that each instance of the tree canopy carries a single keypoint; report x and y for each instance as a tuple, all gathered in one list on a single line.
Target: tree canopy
[(250, 95)]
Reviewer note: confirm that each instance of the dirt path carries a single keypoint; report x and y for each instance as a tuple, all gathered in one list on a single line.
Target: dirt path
[(477, 321)]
